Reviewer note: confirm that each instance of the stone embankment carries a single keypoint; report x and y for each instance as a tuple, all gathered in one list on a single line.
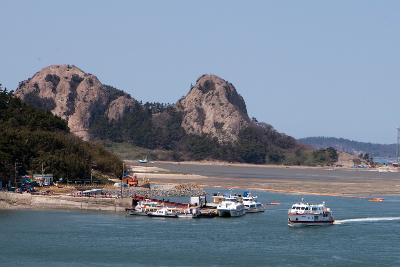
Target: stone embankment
[(10, 200), (109, 200)]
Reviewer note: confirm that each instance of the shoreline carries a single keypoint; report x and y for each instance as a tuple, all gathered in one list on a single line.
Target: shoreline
[(298, 180), (324, 181), (15, 201), (238, 164)]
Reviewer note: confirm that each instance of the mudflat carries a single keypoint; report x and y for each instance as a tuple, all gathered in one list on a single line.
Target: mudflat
[(299, 180)]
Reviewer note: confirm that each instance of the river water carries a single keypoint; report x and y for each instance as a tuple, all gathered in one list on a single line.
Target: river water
[(368, 234)]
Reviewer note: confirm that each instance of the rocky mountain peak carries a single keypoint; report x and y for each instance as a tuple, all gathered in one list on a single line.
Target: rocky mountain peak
[(73, 95), (213, 107)]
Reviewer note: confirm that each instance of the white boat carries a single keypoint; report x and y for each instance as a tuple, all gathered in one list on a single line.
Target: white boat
[(163, 212), (145, 160), (188, 213), (251, 205), (185, 215), (144, 207), (305, 214), (231, 207)]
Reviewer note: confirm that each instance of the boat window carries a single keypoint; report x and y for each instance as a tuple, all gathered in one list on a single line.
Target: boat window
[(302, 208), (306, 208), (314, 208)]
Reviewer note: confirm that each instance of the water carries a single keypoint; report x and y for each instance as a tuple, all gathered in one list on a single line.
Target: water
[(367, 234)]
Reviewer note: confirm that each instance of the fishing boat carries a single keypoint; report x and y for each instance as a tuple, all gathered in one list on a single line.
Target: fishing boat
[(376, 199), (305, 214), (250, 203), (163, 212), (231, 207), (143, 207)]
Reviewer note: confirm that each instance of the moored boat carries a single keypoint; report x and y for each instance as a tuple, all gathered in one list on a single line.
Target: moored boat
[(185, 215), (231, 207), (305, 214), (163, 212), (250, 203), (143, 207)]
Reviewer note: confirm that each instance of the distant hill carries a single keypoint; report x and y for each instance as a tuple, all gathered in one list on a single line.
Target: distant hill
[(350, 146)]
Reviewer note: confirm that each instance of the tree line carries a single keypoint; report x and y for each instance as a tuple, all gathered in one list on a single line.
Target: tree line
[(30, 137), (158, 126)]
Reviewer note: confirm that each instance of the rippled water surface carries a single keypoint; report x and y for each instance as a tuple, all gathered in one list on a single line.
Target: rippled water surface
[(367, 234)]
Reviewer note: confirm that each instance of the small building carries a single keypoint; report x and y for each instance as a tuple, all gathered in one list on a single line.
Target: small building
[(43, 179), (198, 201)]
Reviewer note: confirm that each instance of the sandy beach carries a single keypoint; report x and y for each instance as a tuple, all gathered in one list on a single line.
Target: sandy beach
[(297, 180)]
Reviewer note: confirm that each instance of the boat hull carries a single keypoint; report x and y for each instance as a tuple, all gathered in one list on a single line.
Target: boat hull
[(185, 216), (231, 213), (137, 213), (255, 210), (163, 216), (309, 223), (310, 220)]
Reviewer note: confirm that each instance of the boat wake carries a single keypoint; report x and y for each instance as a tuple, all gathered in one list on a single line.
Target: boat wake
[(371, 219)]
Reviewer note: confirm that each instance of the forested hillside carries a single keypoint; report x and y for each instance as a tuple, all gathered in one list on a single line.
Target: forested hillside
[(30, 137), (350, 146)]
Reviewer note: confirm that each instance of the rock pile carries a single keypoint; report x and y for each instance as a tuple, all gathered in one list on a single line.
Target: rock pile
[(181, 190)]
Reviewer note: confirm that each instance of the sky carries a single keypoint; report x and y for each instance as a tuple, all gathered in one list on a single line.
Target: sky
[(309, 68)]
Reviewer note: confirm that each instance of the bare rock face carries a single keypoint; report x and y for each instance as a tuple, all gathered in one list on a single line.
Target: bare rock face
[(73, 95), (213, 107), (119, 107)]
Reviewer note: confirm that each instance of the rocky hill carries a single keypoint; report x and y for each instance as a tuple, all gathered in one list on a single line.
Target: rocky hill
[(210, 122), (213, 107), (75, 96)]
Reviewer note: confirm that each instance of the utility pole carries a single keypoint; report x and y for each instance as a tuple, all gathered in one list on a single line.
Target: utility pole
[(398, 146), (15, 174), (122, 177)]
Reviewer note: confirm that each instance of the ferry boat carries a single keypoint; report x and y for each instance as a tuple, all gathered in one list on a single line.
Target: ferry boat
[(250, 203), (231, 207), (305, 214), (163, 212)]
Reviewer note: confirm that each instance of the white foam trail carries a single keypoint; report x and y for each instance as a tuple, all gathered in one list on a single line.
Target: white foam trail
[(372, 219)]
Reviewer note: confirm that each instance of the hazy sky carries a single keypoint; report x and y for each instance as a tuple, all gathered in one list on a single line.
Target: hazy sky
[(309, 68)]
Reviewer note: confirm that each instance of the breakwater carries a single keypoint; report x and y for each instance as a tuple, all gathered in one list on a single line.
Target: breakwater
[(9, 200), (108, 200)]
